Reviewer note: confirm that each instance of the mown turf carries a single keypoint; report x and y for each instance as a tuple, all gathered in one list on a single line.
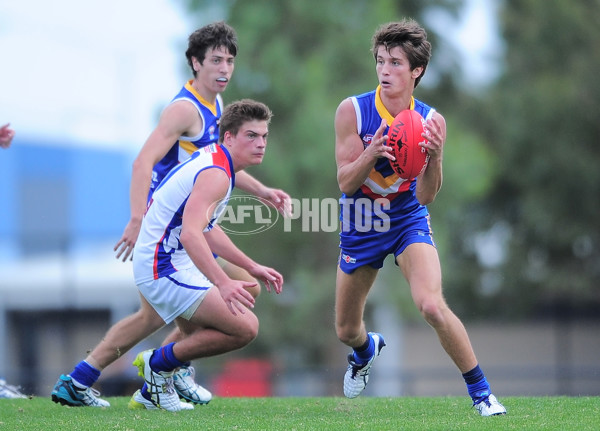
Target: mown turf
[(329, 413)]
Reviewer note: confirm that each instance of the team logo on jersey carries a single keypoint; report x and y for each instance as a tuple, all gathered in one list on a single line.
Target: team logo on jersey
[(367, 140), (211, 131), (212, 148)]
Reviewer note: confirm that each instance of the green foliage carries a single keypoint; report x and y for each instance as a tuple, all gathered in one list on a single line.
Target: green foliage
[(516, 222), (302, 59), (540, 121), (402, 413)]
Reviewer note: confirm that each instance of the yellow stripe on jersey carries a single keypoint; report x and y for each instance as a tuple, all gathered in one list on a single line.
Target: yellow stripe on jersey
[(211, 106), (374, 175), (382, 110), (187, 146), (382, 182)]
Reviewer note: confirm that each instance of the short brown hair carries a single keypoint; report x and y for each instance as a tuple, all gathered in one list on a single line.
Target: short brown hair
[(410, 37), (237, 113)]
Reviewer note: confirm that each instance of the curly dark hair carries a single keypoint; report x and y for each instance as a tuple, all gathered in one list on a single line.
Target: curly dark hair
[(214, 35)]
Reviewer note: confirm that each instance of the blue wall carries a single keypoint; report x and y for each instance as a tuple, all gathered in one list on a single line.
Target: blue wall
[(71, 194)]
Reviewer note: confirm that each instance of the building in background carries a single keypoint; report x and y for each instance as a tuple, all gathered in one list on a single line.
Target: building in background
[(62, 209)]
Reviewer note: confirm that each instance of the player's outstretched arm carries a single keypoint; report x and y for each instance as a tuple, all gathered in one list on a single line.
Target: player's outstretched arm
[(175, 120), (222, 245), (277, 198), (209, 189)]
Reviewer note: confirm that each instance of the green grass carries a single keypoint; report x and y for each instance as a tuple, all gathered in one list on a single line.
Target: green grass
[(289, 414)]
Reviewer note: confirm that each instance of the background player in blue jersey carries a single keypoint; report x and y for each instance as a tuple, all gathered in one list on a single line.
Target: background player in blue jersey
[(391, 217), (189, 122), (177, 276)]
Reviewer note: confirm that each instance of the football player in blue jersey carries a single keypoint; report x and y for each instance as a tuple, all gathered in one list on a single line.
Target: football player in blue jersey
[(189, 122), (383, 214)]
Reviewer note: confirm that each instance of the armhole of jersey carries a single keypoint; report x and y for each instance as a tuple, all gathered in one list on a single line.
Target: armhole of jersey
[(212, 167), (358, 116), (219, 104), (430, 114), (199, 135)]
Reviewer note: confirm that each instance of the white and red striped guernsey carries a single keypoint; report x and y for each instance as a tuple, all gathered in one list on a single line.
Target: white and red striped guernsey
[(158, 251)]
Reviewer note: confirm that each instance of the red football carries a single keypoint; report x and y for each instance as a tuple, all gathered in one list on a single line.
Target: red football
[(404, 136)]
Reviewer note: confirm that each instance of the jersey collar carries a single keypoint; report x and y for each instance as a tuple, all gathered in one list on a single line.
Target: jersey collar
[(212, 106), (382, 110)]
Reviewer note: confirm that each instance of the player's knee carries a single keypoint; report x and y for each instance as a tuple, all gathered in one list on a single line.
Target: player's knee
[(432, 312), (247, 332), (347, 334)]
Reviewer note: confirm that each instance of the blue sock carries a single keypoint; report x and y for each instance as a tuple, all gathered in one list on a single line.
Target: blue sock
[(163, 359), (145, 393), (365, 352), (477, 385), (85, 374)]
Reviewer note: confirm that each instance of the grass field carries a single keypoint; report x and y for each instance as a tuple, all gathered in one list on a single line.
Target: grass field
[(289, 414)]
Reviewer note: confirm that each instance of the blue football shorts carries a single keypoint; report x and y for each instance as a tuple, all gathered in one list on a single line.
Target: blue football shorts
[(371, 248)]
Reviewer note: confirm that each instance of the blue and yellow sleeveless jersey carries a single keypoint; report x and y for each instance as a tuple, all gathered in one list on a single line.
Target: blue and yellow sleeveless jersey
[(383, 216), (186, 145)]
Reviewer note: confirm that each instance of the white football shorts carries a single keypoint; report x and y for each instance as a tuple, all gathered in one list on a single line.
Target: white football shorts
[(177, 294)]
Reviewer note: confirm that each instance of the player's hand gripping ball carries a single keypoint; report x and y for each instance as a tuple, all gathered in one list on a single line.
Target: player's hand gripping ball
[(404, 136)]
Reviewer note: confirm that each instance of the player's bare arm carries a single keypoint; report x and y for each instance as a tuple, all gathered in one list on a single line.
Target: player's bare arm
[(222, 245), (430, 181), (179, 118), (209, 189), (354, 162), (277, 198)]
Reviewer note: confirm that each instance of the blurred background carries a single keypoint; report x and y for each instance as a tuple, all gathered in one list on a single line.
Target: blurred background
[(517, 222)]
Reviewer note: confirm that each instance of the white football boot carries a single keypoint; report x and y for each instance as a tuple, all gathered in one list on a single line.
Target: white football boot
[(357, 375)]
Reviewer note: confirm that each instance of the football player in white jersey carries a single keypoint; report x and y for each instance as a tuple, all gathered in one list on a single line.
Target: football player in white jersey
[(189, 122), (179, 279)]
